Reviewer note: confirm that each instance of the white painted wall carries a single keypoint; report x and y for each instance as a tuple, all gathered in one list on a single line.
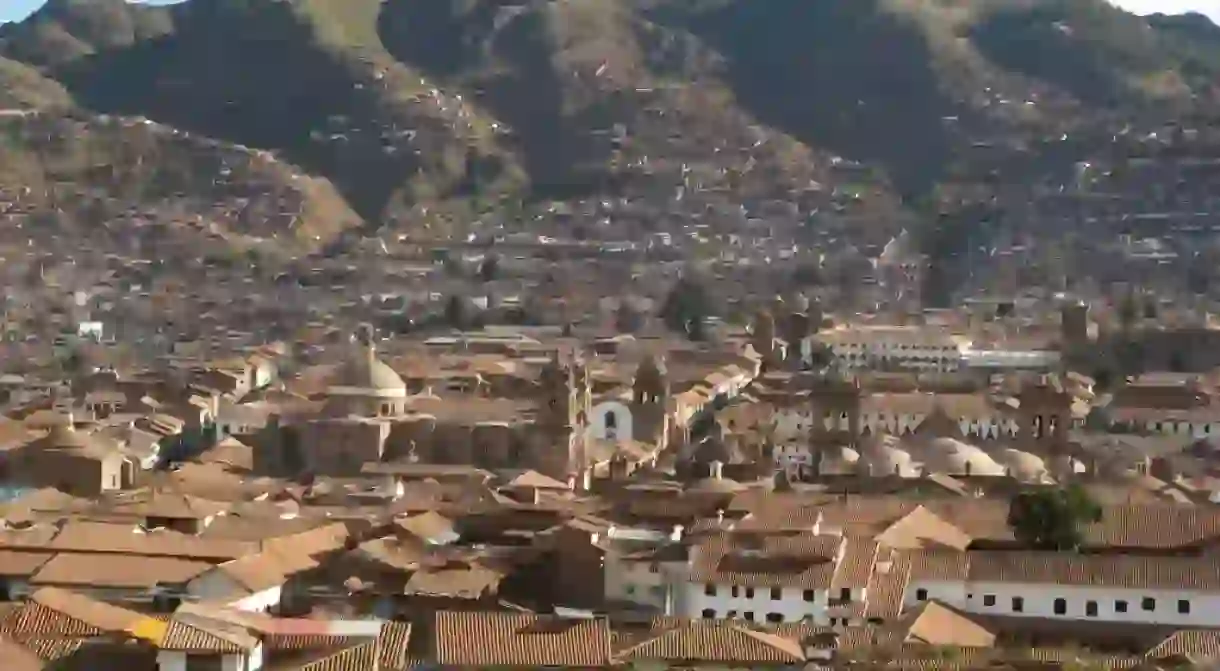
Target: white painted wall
[(599, 421), (791, 604), (1038, 600), (640, 582)]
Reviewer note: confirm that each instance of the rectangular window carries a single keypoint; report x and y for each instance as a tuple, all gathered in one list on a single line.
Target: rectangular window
[(921, 594), (1061, 606), (709, 589), (749, 616), (1090, 608), (988, 599), (736, 593), (808, 595), (1120, 606), (1183, 607), (1148, 604), (749, 592), (777, 593), (845, 594), (775, 618), (1018, 604)]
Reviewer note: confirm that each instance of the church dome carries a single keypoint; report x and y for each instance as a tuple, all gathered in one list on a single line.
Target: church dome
[(1023, 465), (954, 457), (883, 460), (366, 375)]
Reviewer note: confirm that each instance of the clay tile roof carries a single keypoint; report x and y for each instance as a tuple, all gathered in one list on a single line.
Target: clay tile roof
[(922, 528), (428, 526), (33, 619), (357, 658), (1176, 573), (18, 657), (184, 637), (463, 581), (15, 563), (534, 480), (511, 639), (125, 539), (1193, 644), (936, 624), (393, 641), (58, 611), (886, 587), (716, 642), (804, 560), (116, 570), (856, 566), (254, 573)]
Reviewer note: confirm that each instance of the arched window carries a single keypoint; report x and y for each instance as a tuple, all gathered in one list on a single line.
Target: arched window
[(709, 614)]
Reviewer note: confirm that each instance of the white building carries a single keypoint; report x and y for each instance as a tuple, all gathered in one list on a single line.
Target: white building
[(611, 420), (1160, 590), (916, 348)]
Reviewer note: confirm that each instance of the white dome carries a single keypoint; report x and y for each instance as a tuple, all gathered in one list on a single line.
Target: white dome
[(1023, 465), (953, 457), (882, 460)]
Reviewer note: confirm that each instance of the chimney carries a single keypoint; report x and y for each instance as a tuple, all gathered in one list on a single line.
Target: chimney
[(717, 472)]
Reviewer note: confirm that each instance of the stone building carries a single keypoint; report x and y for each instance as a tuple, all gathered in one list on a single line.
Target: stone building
[(370, 414)]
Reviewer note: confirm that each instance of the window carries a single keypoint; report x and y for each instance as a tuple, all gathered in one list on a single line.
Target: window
[(735, 591), (749, 616), (808, 595), (775, 618), (749, 592), (1090, 608), (731, 614), (1018, 604), (921, 594), (1120, 606), (710, 590), (988, 599), (611, 420), (1061, 606), (777, 593), (845, 594), (1183, 607), (630, 590), (1148, 604), (709, 614)]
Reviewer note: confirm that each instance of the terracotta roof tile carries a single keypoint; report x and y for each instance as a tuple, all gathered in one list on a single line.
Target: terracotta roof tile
[(804, 560), (184, 637), (357, 658), (394, 640), (856, 567), (1195, 644), (715, 642), (510, 639)]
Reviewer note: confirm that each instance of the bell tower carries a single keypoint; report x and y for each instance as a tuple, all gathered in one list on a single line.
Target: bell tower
[(564, 396), (650, 402)]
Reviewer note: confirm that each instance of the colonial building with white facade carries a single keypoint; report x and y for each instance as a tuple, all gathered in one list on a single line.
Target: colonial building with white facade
[(914, 348)]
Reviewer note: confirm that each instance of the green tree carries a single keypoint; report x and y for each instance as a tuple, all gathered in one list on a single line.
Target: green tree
[(1053, 519), (687, 307)]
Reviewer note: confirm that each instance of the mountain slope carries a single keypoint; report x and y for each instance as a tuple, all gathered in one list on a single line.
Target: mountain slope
[(447, 108)]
